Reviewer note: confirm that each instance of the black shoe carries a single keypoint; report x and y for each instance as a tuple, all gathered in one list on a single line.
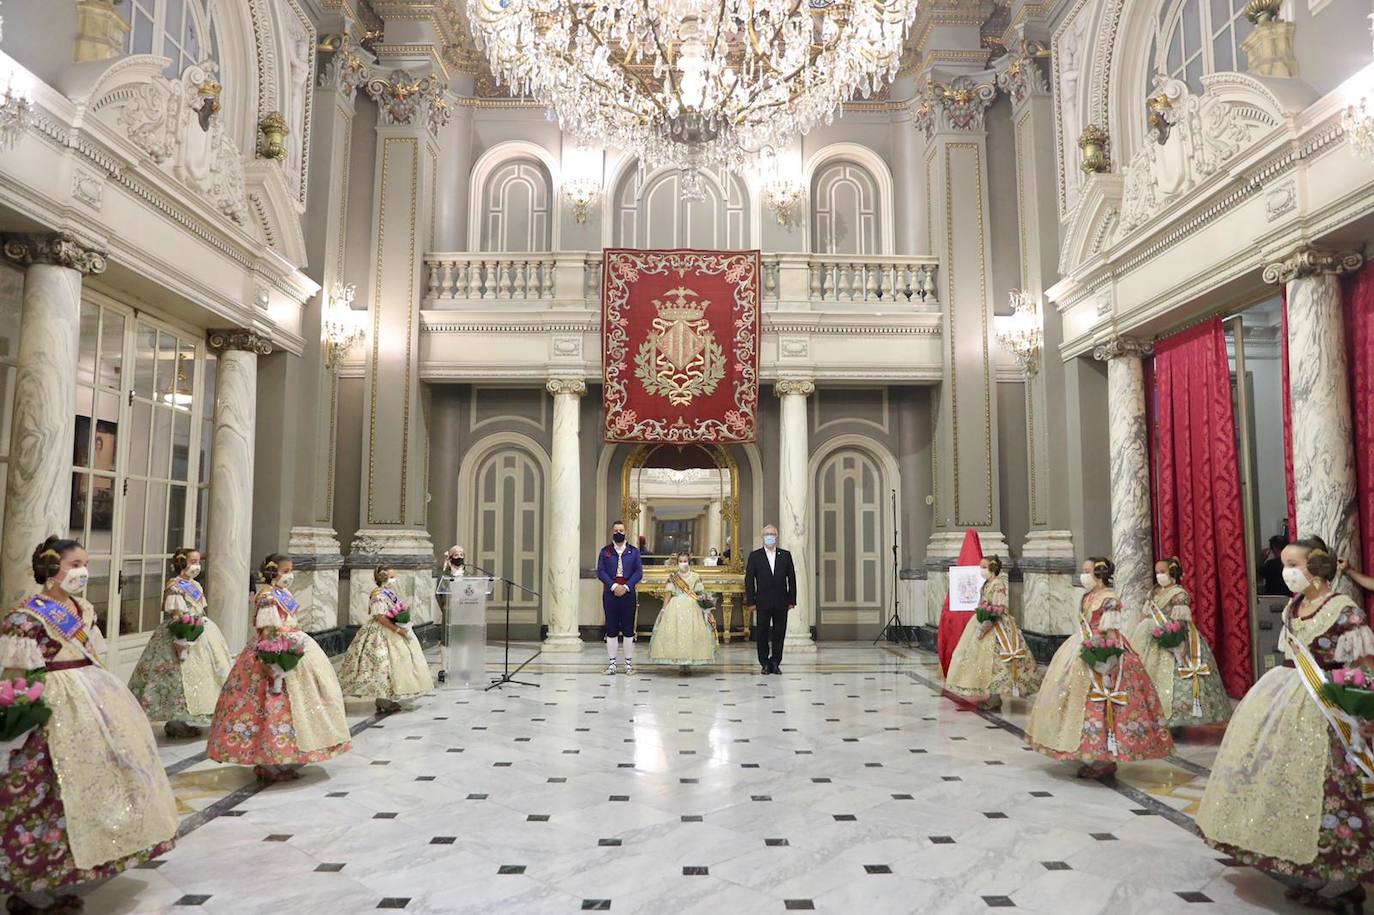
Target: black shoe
[(765, 668), (773, 668)]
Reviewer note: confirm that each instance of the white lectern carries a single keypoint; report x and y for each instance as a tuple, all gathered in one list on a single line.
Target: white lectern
[(465, 628)]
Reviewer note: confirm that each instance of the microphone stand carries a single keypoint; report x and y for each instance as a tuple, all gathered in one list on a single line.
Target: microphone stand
[(507, 675), (893, 630)]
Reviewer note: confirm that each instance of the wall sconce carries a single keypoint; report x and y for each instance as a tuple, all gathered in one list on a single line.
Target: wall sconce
[(16, 115), (785, 197), (1021, 333), (342, 326), (581, 193), (1358, 122)]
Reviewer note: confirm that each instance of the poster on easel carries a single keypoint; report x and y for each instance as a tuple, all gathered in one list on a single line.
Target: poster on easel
[(965, 588)]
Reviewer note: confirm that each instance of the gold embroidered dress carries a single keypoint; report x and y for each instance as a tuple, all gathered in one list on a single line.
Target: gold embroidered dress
[(304, 723), (1282, 796), (1186, 678), (86, 795), (381, 664), (991, 658), (682, 636), (171, 687)]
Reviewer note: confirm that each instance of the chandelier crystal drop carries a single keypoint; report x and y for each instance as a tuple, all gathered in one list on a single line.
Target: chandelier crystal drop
[(1022, 333), (687, 83)]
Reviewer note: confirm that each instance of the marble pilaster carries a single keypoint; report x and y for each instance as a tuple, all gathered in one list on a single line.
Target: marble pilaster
[(1049, 600), (407, 551), (1318, 383), (794, 493), (714, 529), (229, 531), (317, 557), (38, 494), (1127, 443), (565, 527)]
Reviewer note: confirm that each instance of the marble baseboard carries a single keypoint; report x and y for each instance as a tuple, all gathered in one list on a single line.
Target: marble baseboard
[(927, 637), (1043, 645), (334, 642)]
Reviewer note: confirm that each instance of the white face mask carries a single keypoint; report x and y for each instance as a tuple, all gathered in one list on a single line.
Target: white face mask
[(1087, 580), (193, 571), (987, 574), (74, 582), (1164, 579), (1295, 578), (683, 566), (286, 579), (391, 581)]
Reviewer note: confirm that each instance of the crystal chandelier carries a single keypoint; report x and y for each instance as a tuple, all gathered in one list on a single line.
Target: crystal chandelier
[(687, 83), (581, 193), (785, 197), (1021, 332), (16, 114), (342, 326), (1358, 122)]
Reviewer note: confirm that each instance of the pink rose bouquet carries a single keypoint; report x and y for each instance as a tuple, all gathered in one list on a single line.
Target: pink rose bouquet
[(281, 655), (185, 628), (399, 613), (1100, 651), (1170, 635), (988, 613), (1352, 688), (21, 710)]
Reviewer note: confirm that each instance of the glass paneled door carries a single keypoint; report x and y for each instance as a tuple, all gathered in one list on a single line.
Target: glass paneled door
[(140, 464)]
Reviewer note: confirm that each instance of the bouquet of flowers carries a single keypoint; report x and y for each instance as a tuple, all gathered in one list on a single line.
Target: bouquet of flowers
[(281, 655), (1352, 688), (1100, 652), (706, 603), (1170, 635), (989, 613), (21, 710), (399, 613), (185, 629)]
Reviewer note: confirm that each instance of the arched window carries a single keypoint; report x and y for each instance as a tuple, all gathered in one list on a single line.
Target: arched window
[(178, 29), (516, 208), (1198, 37), (844, 210), (655, 213)]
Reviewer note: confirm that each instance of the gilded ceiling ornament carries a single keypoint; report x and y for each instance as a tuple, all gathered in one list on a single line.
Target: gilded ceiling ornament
[(1093, 141)]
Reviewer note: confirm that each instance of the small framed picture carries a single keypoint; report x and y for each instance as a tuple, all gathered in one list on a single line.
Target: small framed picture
[(965, 588)]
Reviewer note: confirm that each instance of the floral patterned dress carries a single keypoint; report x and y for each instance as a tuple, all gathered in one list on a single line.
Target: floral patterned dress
[(171, 687), (683, 637), (304, 723), (1187, 678), (992, 659), (85, 796), (381, 664), (1282, 796), (1070, 717)]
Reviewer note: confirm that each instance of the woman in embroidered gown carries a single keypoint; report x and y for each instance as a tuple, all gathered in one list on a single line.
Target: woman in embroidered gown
[(1098, 716), (276, 732), (684, 633), (1282, 796), (179, 682), (991, 658), (85, 796), (385, 661), (1186, 676)]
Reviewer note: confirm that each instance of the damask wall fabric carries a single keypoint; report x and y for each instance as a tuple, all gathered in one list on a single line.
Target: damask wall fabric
[(1357, 294), (1197, 491), (680, 345)]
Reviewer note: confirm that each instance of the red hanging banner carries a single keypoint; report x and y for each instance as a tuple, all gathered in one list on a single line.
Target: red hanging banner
[(680, 345)]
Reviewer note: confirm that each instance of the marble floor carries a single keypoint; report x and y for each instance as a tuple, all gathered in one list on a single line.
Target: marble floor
[(848, 784)]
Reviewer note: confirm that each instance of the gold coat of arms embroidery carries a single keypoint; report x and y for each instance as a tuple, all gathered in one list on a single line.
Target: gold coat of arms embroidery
[(680, 358)]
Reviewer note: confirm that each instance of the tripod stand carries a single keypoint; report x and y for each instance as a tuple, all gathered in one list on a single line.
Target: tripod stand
[(894, 631), (508, 675)]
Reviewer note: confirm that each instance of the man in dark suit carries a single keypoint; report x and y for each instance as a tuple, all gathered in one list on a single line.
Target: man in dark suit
[(770, 587), (620, 568)]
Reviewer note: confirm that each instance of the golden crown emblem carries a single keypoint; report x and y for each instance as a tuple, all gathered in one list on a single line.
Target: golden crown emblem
[(681, 309)]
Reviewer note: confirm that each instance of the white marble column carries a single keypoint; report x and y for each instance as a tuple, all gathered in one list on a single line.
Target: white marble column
[(1132, 547), (794, 492), (1319, 391), (714, 528), (38, 497), (565, 527), (229, 532)]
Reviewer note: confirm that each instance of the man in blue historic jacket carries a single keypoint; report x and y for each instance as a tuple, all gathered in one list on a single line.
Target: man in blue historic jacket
[(619, 567)]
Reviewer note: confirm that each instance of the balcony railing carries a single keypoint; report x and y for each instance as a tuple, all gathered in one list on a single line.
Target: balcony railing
[(568, 278)]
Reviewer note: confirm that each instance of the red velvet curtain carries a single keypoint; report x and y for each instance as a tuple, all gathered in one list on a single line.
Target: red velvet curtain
[(1288, 429), (1358, 298), (1197, 480)]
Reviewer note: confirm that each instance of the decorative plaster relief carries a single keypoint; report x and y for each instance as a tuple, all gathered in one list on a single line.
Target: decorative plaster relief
[(1280, 199), (794, 347), (88, 188), (566, 347)]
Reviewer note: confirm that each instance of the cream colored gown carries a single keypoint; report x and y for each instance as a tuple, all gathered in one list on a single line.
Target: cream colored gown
[(381, 664), (682, 636)]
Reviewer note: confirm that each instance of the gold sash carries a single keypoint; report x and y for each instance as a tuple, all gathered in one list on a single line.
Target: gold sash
[(1109, 695), (1191, 667), (1346, 727)]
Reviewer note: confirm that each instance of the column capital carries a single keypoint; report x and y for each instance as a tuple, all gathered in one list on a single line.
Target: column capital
[(344, 65), (1309, 261), (239, 339), (958, 105), (574, 386), (1021, 78), (60, 249), (1118, 347), (785, 386), (406, 99)]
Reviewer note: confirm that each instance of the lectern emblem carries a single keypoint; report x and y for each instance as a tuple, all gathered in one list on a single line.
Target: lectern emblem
[(680, 359)]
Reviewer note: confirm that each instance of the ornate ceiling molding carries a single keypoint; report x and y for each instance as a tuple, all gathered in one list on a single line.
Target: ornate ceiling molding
[(958, 105)]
